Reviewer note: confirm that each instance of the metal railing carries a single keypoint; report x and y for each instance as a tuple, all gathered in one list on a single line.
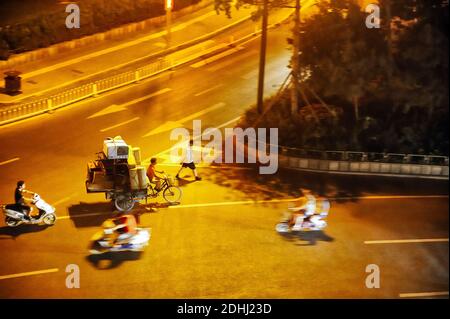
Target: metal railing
[(22, 111), (432, 166), (25, 110)]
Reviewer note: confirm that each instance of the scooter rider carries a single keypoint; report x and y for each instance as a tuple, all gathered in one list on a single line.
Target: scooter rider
[(305, 209), (21, 200), (123, 229)]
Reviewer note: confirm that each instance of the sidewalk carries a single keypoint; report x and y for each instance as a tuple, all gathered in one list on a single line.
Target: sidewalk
[(41, 77)]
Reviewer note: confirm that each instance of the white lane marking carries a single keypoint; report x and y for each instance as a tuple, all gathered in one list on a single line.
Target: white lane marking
[(199, 52), (392, 197), (228, 62), (229, 122), (83, 215), (108, 110), (248, 202), (167, 164), (208, 90), (9, 161), (216, 57), (82, 102), (123, 107), (250, 75), (62, 200), (243, 202), (31, 273), (407, 241), (424, 294), (169, 125), (162, 91), (112, 49), (182, 26), (194, 138), (120, 124)]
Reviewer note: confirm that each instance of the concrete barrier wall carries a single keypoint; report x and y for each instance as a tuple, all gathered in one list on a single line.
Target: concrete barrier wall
[(364, 167), (119, 32)]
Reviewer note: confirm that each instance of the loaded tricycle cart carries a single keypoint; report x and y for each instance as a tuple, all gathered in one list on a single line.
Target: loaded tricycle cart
[(118, 173)]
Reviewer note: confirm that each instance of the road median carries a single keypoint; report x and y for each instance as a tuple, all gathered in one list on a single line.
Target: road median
[(37, 106)]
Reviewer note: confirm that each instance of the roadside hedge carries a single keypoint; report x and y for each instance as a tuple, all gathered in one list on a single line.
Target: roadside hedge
[(96, 16)]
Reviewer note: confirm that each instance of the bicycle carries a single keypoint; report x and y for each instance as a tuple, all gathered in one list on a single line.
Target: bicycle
[(172, 194)]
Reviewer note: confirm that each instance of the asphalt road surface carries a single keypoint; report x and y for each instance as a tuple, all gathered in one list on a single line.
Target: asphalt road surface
[(220, 242)]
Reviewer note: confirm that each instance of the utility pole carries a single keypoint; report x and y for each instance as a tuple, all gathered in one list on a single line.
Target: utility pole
[(262, 57), (169, 6), (295, 60), (389, 39)]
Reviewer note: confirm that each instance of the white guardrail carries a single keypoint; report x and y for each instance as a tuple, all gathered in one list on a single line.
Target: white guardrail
[(385, 164), (25, 110)]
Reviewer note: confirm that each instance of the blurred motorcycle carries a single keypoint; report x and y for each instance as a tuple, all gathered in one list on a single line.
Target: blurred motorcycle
[(104, 241), (315, 222)]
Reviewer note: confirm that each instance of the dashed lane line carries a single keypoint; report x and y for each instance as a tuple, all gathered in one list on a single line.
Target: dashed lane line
[(390, 197), (208, 90), (406, 241), (31, 273), (9, 161), (120, 124), (424, 294), (251, 202)]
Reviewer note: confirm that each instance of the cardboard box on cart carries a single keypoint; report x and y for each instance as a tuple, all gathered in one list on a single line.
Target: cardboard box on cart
[(116, 148)]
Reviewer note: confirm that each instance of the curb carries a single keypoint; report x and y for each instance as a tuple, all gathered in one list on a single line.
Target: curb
[(225, 47), (151, 56)]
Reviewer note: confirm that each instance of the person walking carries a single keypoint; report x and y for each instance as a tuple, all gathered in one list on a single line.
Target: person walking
[(188, 161)]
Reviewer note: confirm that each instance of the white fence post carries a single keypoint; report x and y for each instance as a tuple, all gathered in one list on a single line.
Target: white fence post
[(94, 90), (50, 106), (136, 76)]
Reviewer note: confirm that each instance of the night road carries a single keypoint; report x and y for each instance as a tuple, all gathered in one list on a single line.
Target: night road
[(220, 241)]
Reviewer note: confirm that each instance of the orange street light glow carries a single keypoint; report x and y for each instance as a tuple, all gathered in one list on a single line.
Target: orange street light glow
[(169, 4)]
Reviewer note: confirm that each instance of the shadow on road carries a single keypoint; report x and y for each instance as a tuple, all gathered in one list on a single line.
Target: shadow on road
[(287, 183), (311, 238), (184, 182), (90, 214), (282, 184), (112, 260), (152, 207), (94, 214), (14, 232)]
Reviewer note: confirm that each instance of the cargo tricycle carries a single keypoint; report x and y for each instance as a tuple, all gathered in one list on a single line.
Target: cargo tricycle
[(118, 173)]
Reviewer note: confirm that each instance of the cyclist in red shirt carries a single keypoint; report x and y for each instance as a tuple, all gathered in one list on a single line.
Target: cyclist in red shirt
[(152, 174)]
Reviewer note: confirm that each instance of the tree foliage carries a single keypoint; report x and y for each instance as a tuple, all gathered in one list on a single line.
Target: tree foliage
[(397, 76), (47, 28)]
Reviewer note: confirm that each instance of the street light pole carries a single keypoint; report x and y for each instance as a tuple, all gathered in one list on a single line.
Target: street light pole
[(169, 5), (262, 57), (295, 60)]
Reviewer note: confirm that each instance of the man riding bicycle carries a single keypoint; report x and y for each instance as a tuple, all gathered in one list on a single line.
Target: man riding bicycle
[(152, 174)]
